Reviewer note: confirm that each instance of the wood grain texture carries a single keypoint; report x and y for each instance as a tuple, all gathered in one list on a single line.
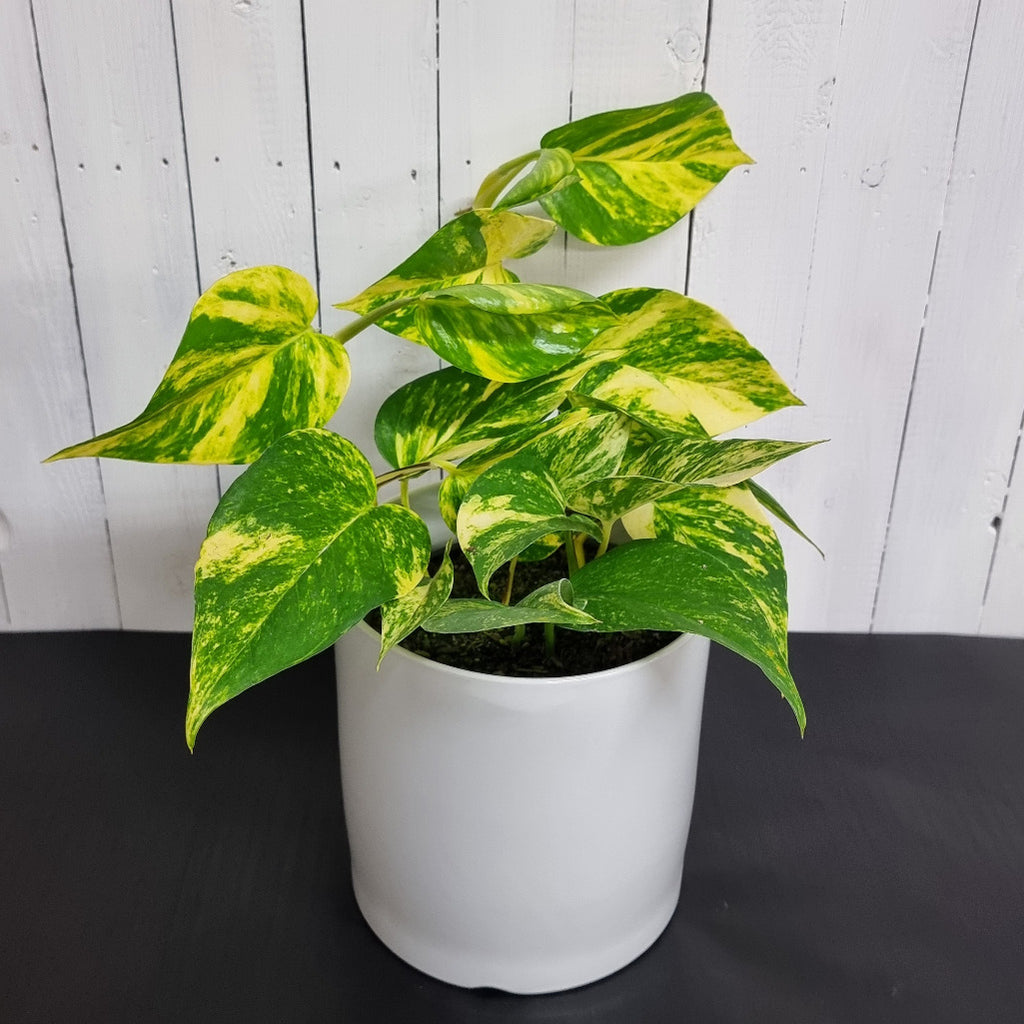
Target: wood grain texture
[(826, 253), (505, 78), (899, 77), (55, 560), (110, 76), (373, 121), (955, 467), (759, 228)]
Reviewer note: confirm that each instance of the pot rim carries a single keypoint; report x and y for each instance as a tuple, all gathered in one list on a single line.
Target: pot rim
[(466, 673)]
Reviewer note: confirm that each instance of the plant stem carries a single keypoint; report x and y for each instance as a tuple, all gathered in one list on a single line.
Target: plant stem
[(404, 491), (507, 596), (606, 536), (349, 331), (406, 472), (494, 184), (549, 637), (581, 555), (571, 553), (518, 635)]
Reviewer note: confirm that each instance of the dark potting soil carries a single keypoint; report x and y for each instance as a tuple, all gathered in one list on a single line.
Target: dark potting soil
[(495, 652)]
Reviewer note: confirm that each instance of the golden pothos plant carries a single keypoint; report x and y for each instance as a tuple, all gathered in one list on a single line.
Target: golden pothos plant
[(559, 415)]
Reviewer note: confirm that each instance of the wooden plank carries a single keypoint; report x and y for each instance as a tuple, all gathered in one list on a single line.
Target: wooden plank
[(110, 76), (965, 410), (1003, 611), (773, 70), (505, 79), (373, 121), (627, 55), (243, 96), (899, 78), (55, 559)]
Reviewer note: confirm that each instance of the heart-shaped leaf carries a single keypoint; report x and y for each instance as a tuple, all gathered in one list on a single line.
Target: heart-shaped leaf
[(640, 170), (249, 369), (297, 552), (467, 250), (511, 505), (712, 371)]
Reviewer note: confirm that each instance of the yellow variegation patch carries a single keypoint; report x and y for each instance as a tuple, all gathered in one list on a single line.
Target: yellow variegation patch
[(674, 462), (249, 369), (693, 361)]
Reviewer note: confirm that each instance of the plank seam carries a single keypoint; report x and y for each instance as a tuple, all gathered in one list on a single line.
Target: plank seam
[(312, 172), (78, 318), (703, 88), (1002, 519), (437, 105), (921, 334), (184, 146), (817, 203)]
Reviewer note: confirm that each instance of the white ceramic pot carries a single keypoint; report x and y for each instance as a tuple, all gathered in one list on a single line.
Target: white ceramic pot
[(524, 834)]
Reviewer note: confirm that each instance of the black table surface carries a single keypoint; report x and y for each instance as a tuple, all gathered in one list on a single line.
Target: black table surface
[(873, 871)]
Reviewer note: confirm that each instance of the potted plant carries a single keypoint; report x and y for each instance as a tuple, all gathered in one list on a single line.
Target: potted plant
[(522, 833)]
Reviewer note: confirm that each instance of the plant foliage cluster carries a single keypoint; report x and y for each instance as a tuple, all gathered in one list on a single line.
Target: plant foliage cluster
[(558, 415)]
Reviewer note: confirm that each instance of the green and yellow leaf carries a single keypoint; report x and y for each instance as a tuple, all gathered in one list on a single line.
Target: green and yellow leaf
[(699, 585), (399, 617), (513, 504), (643, 396), (772, 505), (509, 332), (467, 250), (552, 170), (674, 462), (710, 370), (575, 446), (249, 369), (640, 170), (297, 552), (552, 603), (450, 414)]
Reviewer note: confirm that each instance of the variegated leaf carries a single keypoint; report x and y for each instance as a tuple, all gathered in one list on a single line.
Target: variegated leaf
[(398, 618), (551, 603), (702, 588), (510, 332), (772, 505), (249, 369), (676, 462), (640, 170), (467, 250), (511, 505), (450, 414), (553, 169), (297, 551), (575, 446), (643, 396), (695, 353)]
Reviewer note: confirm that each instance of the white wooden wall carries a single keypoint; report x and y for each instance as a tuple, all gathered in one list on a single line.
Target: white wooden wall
[(875, 253)]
